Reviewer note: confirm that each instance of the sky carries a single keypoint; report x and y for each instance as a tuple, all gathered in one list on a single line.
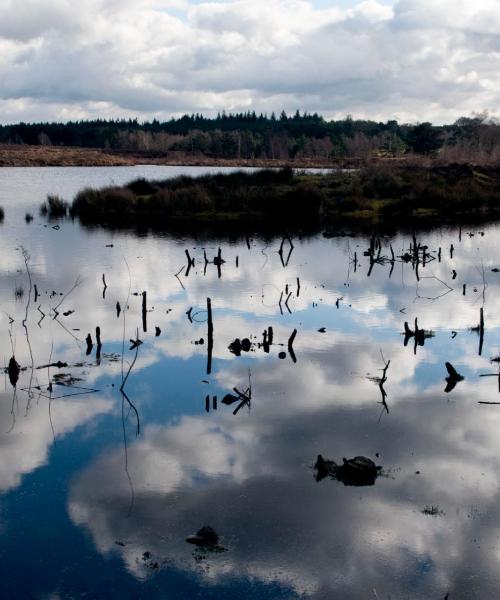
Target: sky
[(410, 60)]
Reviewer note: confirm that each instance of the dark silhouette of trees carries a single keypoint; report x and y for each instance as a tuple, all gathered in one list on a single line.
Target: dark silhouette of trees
[(248, 136), (424, 138)]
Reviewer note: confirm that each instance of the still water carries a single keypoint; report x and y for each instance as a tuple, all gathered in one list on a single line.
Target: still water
[(99, 489)]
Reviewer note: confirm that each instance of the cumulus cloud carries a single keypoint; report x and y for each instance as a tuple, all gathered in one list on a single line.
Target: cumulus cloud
[(415, 60)]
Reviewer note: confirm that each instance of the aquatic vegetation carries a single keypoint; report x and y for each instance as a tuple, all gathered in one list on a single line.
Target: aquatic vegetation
[(54, 207), (433, 511), (375, 194), (18, 292)]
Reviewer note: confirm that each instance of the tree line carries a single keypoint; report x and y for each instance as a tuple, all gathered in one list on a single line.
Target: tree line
[(251, 136)]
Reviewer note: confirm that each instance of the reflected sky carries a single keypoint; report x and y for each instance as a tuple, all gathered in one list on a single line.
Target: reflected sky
[(95, 509)]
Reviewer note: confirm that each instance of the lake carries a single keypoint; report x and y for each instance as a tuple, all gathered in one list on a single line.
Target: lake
[(112, 457)]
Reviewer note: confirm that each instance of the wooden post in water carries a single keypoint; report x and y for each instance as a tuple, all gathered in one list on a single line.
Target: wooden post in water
[(144, 312), (99, 345), (210, 345), (90, 345), (481, 331)]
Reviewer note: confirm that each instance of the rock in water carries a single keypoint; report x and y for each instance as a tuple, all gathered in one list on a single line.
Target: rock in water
[(206, 536), (324, 468), (358, 471)]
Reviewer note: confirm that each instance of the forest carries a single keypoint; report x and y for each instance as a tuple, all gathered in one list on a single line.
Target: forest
[(474, 139)]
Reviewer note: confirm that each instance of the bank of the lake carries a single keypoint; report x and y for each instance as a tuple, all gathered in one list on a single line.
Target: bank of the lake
[(25, 155)]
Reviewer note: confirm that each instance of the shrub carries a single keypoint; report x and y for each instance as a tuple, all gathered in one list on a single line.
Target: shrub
[(85, 201), (110, 201), (142, 187), (382, 183)]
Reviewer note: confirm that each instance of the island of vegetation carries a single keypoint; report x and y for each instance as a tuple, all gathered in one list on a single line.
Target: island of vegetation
[(397, 194)]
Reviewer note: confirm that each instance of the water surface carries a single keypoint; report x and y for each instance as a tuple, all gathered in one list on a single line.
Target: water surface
[(91, 507)]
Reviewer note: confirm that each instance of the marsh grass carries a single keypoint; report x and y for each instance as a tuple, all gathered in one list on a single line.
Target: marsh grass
[(375, 193), (54, 207)]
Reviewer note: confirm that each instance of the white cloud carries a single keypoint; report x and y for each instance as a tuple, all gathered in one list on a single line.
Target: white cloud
[(416, 60)]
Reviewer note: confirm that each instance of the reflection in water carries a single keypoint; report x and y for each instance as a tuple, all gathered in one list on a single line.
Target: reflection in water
[(149, 452)]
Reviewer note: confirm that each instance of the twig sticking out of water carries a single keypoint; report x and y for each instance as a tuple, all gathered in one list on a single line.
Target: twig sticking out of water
[(381, 382), (285, 261), (176, 275), (75, 285), (210, 336)]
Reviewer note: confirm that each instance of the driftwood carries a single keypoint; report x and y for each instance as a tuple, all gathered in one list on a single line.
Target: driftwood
[(59, 365)]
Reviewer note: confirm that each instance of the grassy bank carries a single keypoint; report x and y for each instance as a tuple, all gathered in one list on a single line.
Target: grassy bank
[(13, 155), (20, 155), (281, 196)]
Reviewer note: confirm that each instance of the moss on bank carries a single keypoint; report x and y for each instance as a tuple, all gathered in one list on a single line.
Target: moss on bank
[(283, 196)]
